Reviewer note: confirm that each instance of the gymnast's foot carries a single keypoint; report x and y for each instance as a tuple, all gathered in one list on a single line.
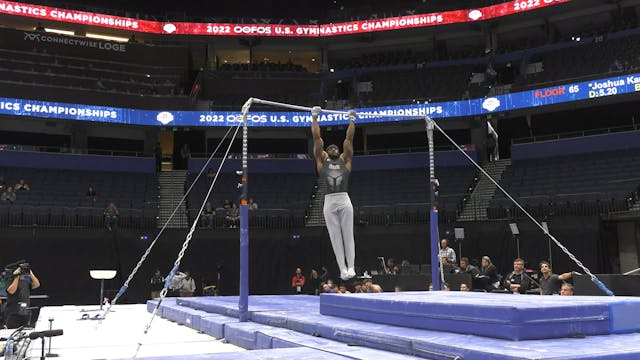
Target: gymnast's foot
[(350, 273), (344, 274)]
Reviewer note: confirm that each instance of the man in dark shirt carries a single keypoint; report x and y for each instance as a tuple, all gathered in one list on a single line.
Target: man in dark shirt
[(18, 293), (334, 169), (517, 281), (157, 284), (467, 268), (550, 283)]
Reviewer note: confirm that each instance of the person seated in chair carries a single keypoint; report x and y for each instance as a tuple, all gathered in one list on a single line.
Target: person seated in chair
[(517, 281), (111, 214), (21, 186)]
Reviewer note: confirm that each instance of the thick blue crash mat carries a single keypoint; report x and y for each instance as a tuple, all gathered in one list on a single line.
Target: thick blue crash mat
[(254, 336), (427, 344), (431, 344), (504, 316), (228, 305), (166, 303), (276, 354)]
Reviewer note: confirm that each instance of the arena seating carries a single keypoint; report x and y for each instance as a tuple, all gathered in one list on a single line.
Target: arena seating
[(140, 75), (570, 185), (569, 62), (282, 198), (231, 88), (58, 198), (402, 196), (441, 83)]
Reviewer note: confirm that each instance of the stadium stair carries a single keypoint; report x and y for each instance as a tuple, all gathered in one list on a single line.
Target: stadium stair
[(315, 217), (476, 207), (171, 190)]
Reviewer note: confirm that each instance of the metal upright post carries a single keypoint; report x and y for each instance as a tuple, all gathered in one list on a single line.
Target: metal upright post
[(433, 214)]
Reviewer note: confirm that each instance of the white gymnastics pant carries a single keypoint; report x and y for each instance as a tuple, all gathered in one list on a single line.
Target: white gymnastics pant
[(338, 215)]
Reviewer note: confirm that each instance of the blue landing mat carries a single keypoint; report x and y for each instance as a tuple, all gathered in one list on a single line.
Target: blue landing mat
[(279, 354), (228, 305), (426, 343), (254, 336), (503, 316)]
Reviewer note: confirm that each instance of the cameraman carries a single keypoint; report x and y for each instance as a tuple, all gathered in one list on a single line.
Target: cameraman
[(18, 293)]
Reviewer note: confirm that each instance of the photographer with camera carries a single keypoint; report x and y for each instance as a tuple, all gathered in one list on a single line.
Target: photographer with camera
[(18, 293)]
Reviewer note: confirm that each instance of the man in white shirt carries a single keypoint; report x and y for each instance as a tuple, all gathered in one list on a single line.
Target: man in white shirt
[(446, 251)]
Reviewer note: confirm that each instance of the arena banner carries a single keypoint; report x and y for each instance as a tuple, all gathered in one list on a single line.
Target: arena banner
[(224, 29), (521, 100)]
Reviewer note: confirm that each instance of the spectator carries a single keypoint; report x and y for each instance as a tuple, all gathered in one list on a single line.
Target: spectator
[(314, 283), (91, 193), (467, 268), (491, 147), (226, 204), (405, 268), (342, 289), (488, 274), (551, 283), (566, 290), (397, 288), (369, 287), (185, 155), (464, 287), (187, 284), (211, 174), (157, 284), (2, 184), (208, 214), (297, 282), (21, 186), (8, 195), (210, 290), (616, 66), (111, 214), (446, 267), (158, 155), (446, 251), (517, 281), (252, 204), (233, 216), (325, 274), (390, 267), (357, 287)]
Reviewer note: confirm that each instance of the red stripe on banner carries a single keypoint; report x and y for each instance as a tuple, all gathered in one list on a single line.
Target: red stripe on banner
[(222, 29)]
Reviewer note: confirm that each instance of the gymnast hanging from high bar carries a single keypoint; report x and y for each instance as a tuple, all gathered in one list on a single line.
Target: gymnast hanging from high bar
[(334, 169)]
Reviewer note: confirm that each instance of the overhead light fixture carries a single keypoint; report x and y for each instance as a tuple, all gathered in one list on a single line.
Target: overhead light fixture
[(107, 37), (60, 31)]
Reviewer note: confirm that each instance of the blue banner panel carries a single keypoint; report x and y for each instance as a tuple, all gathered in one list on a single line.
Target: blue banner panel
[(520, 100)]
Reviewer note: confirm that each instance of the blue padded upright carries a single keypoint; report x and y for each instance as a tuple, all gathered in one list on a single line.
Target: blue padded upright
[(501, 316)]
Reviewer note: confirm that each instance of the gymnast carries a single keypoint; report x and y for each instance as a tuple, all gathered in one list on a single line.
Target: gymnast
[(334, 169)]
